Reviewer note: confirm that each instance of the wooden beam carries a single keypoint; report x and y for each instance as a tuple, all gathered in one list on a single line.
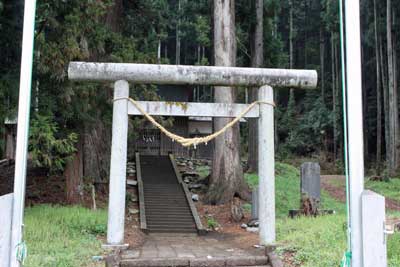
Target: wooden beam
[(196, 75), (188, 109)]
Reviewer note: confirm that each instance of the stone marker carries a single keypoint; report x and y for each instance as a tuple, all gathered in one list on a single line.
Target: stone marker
[(254, 204), (310, 182), (310, 185)]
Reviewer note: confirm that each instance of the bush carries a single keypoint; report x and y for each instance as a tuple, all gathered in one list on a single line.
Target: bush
[(47, 149)]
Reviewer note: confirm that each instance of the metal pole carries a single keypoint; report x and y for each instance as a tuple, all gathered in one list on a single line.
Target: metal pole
[(355, 126), (116, 205), (23, 128), (266, 167)]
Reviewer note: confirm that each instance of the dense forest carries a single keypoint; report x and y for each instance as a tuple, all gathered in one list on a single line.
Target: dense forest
[(299, 34)]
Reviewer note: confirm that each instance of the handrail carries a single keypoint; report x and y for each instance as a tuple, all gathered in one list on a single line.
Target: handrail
[(143, 222), (200, 229)]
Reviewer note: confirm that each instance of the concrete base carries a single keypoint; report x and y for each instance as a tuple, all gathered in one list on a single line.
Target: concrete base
[(115, 247)]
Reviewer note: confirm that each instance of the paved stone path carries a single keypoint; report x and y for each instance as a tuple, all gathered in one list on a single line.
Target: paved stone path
[(184, 246)]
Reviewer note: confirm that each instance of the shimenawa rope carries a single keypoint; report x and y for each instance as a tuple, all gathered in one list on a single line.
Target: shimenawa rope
[(186, 142)]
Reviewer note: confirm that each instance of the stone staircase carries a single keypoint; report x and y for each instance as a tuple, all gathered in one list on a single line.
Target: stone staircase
[(166, 205)]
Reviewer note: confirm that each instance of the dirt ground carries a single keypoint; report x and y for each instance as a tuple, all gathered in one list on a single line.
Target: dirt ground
[(339, 193)]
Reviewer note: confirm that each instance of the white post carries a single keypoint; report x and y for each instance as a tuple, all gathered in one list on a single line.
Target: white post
[(266, 167), (116, 203), (373, 231), (355, 126), (23, 129)]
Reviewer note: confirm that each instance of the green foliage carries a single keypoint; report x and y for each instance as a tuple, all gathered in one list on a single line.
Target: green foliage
[(304, 133), (212, 223), (46, 148), (203, 171), (63, 236)]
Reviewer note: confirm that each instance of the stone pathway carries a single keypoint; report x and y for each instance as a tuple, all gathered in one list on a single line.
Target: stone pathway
[(165, 250), (184, 246)]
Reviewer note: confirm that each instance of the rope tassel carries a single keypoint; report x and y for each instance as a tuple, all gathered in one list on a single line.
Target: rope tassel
[(187, 142)]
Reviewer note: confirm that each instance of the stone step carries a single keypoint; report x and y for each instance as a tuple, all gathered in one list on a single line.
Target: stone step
[(198, 262)]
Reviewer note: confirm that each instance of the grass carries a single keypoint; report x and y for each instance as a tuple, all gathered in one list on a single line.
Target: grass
[(287, 190), (320, 241), (67, 236), (390, 188), (63, 236)]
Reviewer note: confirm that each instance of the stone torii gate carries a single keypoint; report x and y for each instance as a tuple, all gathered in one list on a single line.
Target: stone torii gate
[(121, 74)]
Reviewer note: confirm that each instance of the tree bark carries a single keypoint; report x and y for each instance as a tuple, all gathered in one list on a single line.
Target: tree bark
[(392, 96), (322, 61), (74, 178), (226, 179), (257, 59), (177, 37), (378, 95), (385, 97), (113, 16), (333, 52)]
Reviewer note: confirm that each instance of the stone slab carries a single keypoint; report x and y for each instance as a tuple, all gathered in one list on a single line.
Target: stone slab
[(310, 182), (6, 203), (155, 262)]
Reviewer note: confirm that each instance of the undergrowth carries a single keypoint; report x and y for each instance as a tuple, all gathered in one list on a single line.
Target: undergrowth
[(63, 236)]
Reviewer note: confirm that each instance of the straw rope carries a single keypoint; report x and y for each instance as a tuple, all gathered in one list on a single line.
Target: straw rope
[(187, 142)]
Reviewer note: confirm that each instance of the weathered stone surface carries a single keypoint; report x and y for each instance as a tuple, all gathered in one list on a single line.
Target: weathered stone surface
[(130, 254), (254, 203), (311, 180), (252, 229), (133, 211), (158, 262), (208, 262), (195, 197), (131, 182), (243, 261)]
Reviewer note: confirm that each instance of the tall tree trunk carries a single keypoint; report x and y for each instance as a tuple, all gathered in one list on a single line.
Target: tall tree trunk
[(177, 37), (291, 35), (74, 177), (226, 179), (291, 54), (385, 97), (114, 16), (257, 58), (378, 95), (159, 51), (333, 49), (365, 110), (322, 61), (392, 96), (305, 32)]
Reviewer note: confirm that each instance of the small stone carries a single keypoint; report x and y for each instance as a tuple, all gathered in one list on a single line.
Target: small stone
[(97, 258), (244, 226), (252, 229), (195, 186), (131, 182), (133, 211), (195, 197), (253, 223)]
